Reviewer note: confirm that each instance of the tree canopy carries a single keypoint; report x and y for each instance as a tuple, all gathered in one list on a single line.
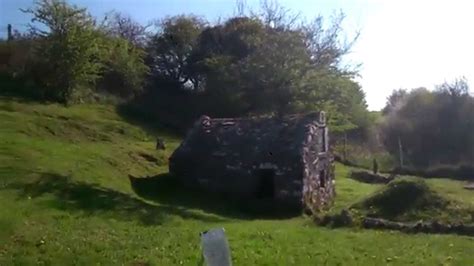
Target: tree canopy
[(434, 127), (258, 62), (266, 62)]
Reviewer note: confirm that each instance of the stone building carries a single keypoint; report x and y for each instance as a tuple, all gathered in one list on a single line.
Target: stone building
[(281, 159)]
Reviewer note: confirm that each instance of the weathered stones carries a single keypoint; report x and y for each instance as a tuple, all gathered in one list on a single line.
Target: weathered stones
[(344, 218), (264, 156), (469, 186), (160, 144)]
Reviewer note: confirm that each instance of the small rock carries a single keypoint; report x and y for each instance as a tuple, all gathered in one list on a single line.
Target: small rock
[(40, 243), (160, 144)]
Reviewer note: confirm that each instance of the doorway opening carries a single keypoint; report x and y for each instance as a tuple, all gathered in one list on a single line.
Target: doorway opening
[(322, 178), (266, 184)]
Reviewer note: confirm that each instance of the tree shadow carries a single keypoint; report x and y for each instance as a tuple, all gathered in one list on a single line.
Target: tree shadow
[(166, 189), (20, 90), (92, 199)]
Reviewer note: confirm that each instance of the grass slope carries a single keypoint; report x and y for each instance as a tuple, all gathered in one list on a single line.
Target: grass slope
[(66, 198), (411, 199)]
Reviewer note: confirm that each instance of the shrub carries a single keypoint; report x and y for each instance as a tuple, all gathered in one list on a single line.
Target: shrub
[(124, 68), (68, 52), (402, 198)]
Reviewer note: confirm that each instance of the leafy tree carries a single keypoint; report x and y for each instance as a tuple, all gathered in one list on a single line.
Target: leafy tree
[(265, 62), (434, 127), (394, 101), (259, 64), (458, 88), (341, 97), (124, 71), (123, 26), (170, 49), (325, 46), (69, 49), (228, 59)]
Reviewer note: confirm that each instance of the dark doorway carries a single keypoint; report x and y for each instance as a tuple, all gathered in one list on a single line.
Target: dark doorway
[(322, 178), (266, 184)]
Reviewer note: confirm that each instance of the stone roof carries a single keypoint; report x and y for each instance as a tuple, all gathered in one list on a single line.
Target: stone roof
[(248, 139)]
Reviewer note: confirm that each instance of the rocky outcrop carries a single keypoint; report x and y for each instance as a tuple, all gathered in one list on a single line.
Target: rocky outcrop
[(469, 186)]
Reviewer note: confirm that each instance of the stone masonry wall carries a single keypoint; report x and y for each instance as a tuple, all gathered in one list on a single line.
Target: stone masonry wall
[(318, 176)]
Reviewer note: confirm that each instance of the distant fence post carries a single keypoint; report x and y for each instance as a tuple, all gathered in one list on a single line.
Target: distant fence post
[(9, 32), (400, 152)]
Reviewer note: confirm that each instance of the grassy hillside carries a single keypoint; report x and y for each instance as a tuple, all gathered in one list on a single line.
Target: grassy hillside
[(66, 198)]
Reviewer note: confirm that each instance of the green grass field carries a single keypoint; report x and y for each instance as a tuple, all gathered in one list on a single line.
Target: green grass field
[(66, 198)]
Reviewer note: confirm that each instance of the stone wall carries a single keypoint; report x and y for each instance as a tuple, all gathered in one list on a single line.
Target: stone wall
[(318, 170), (240, 180), (226, 156)]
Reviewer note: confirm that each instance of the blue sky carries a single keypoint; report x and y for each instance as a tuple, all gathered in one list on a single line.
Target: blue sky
[(403, 44)]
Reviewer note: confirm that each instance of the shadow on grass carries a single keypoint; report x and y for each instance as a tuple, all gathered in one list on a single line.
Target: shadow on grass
[(19, 90), (95, 200), (166, 189)]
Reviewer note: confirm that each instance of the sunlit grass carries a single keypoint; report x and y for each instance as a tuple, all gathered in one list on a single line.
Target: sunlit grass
[(66, 198)]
